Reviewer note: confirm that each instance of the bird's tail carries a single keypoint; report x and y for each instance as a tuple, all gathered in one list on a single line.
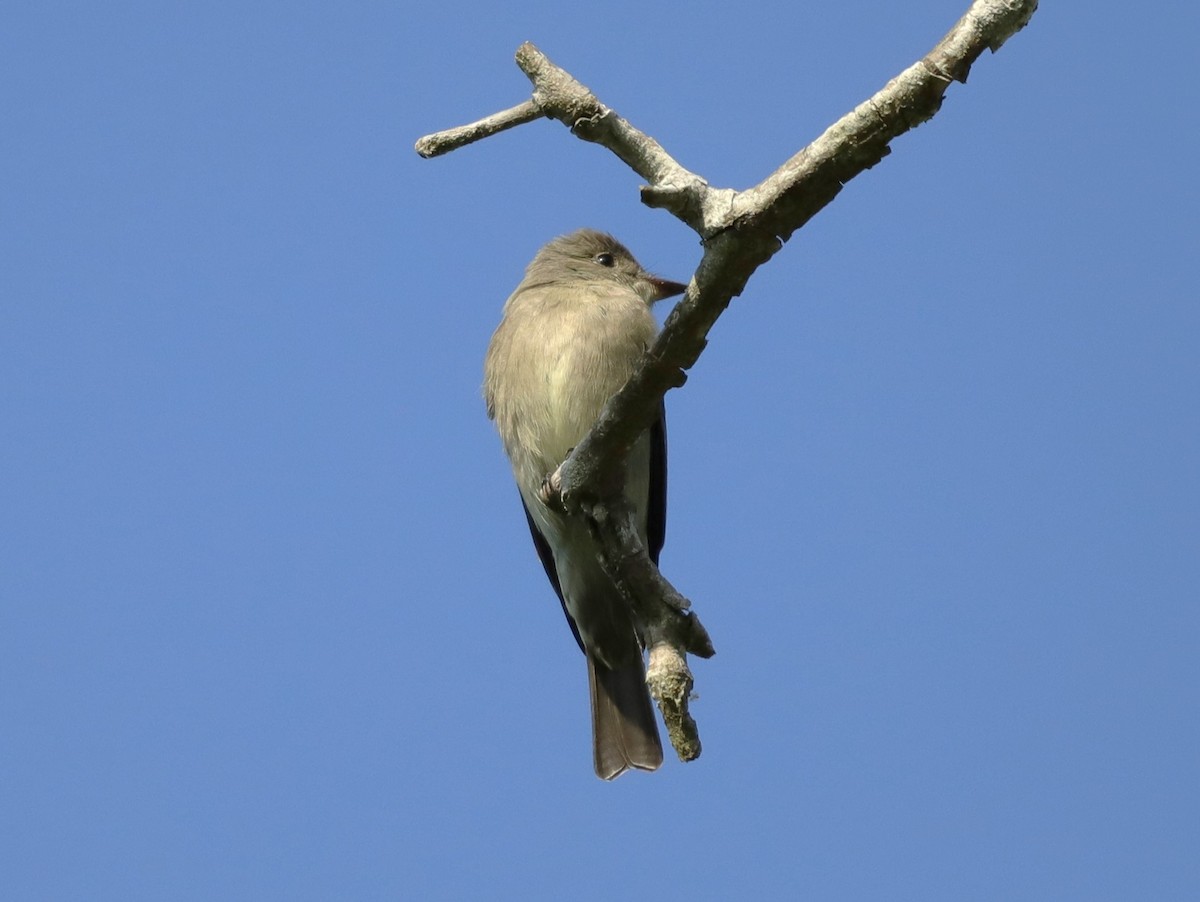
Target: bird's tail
[(624, 732)]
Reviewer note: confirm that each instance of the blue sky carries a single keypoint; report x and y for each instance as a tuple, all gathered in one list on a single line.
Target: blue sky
[(271, 626)]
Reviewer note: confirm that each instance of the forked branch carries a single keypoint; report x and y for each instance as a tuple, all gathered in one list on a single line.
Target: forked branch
[(739, 230)]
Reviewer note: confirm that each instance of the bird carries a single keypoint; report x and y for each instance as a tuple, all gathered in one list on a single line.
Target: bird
[(570, 336)]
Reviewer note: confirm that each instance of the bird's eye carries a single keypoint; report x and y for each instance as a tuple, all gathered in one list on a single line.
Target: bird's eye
[(605, 259)]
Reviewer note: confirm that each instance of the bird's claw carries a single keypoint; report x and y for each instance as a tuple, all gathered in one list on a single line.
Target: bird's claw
[(550, 491)]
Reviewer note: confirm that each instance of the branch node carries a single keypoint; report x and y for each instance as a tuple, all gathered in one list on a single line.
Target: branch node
[(589, 127)]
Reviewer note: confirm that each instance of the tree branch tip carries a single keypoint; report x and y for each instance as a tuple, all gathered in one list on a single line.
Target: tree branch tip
[(528, 55), (699, 644), (670, 682), (999, 40)]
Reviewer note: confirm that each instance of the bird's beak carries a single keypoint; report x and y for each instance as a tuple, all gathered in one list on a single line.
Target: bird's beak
[(662, 288)]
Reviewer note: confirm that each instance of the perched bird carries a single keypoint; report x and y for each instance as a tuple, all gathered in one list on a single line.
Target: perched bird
[(571, 335)]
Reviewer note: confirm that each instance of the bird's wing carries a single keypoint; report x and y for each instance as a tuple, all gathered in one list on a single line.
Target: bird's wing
[(546, 556), (656, 515), (656, 510)]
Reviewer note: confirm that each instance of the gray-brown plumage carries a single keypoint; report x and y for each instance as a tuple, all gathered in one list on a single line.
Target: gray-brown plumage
[(571, 335)]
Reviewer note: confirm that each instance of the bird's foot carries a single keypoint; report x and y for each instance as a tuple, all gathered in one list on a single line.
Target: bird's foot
[(550, 491)]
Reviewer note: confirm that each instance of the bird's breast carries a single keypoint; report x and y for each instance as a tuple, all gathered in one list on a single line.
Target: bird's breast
[(586, 362)]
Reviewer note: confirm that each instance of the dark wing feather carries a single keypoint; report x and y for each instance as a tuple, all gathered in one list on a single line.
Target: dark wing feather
[(656, 511), (546, 556)]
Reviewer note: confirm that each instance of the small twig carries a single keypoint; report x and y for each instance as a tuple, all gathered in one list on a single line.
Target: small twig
[(453, 138)]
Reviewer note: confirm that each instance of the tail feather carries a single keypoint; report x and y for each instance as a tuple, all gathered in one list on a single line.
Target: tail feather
[(624, 732)]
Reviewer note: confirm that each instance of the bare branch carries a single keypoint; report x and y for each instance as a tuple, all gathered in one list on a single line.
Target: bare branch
[(798, 189), (443, 142), (740, 231), (671, 632), (563, 98)]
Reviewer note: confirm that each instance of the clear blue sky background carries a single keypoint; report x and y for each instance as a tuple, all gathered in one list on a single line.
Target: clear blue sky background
[(270, 623)]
